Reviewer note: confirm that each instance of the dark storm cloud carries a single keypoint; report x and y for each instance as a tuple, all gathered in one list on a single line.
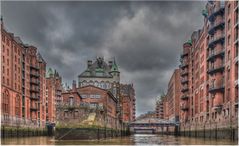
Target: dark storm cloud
[(145, 37)]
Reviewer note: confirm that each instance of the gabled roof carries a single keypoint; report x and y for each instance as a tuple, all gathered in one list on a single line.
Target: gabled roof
[(107, 91), (40, 58), (18, 40)]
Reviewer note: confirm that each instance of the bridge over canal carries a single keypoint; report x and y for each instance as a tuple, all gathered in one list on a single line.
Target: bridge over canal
[(154, 125)]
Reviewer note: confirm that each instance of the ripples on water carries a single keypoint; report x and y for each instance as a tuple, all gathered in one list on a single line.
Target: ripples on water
[(136, 139)]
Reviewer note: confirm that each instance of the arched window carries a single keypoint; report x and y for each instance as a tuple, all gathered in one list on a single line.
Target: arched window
[(71, 100), (18, 105), (5, 102)]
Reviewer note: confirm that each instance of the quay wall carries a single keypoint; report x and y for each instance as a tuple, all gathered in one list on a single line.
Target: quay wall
[(88, 133), (226, 128), (22, 132), (219, 133)]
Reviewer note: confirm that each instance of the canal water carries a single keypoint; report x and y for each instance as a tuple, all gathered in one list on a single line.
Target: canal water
[(136, 139)]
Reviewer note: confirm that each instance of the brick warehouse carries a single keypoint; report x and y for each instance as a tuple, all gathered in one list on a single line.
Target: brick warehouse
[(127, 95), (94, 97), (53, 94), (209, 63), (22, 82), (209, 76)]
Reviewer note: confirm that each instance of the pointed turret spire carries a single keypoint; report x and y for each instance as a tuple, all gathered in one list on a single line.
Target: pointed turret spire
[(114, 66)]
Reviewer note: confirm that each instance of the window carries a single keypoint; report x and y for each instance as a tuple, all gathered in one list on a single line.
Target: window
[(229, 39), (228, 10), (229, 55), (84, 96), (5, 102), (3, 38), (229, 24), (18, 105), (66, 114), (71, 100), (95, 96)]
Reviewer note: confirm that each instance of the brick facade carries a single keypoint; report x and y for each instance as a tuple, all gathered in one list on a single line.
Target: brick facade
[(22, 82), (53, 94), (127, 99), (210, 63)]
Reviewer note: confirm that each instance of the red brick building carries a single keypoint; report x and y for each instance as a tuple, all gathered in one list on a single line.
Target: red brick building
[(173, 95), (94, 96), (127, 99), (210, 63), (22, 82), (98, 96), (159, 109), (53, 94), (149, 114)]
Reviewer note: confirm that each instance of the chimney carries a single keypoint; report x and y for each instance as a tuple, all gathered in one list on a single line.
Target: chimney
[(74, 85), (110, 63), (89, 63)]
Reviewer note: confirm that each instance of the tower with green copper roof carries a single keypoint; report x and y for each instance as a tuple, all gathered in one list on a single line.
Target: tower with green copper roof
[(101, 74), (49, 73)]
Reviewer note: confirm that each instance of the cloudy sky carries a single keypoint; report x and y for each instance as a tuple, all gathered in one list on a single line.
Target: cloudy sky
[(145, 37)]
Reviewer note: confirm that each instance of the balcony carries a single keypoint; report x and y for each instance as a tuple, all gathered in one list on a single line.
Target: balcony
[(236, 102), (215, 69), (215, 26), (34, 82), (184, 54), (185, 80), (236, 83), (36, 75), (34, 97), (183, 65), (34, 90), (217, 108), (184, 89), (184, 107), (215, 54), (236, 60), (217, 86), (34, 67), (216, 39), (184, 72), (184, 97), (216, 11), (33, 108)]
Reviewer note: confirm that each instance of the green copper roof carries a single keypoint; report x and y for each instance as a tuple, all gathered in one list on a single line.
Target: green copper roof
[(114, 67), (205, 13), (99, 70), (189, 42), (49, 72)]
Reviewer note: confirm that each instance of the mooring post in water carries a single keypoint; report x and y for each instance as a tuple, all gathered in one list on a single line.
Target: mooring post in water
[(216, 131), (3, 131), (98, 136), (105, 132)]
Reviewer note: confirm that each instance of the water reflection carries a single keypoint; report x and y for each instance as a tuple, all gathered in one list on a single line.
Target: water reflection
[(136, 139)]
